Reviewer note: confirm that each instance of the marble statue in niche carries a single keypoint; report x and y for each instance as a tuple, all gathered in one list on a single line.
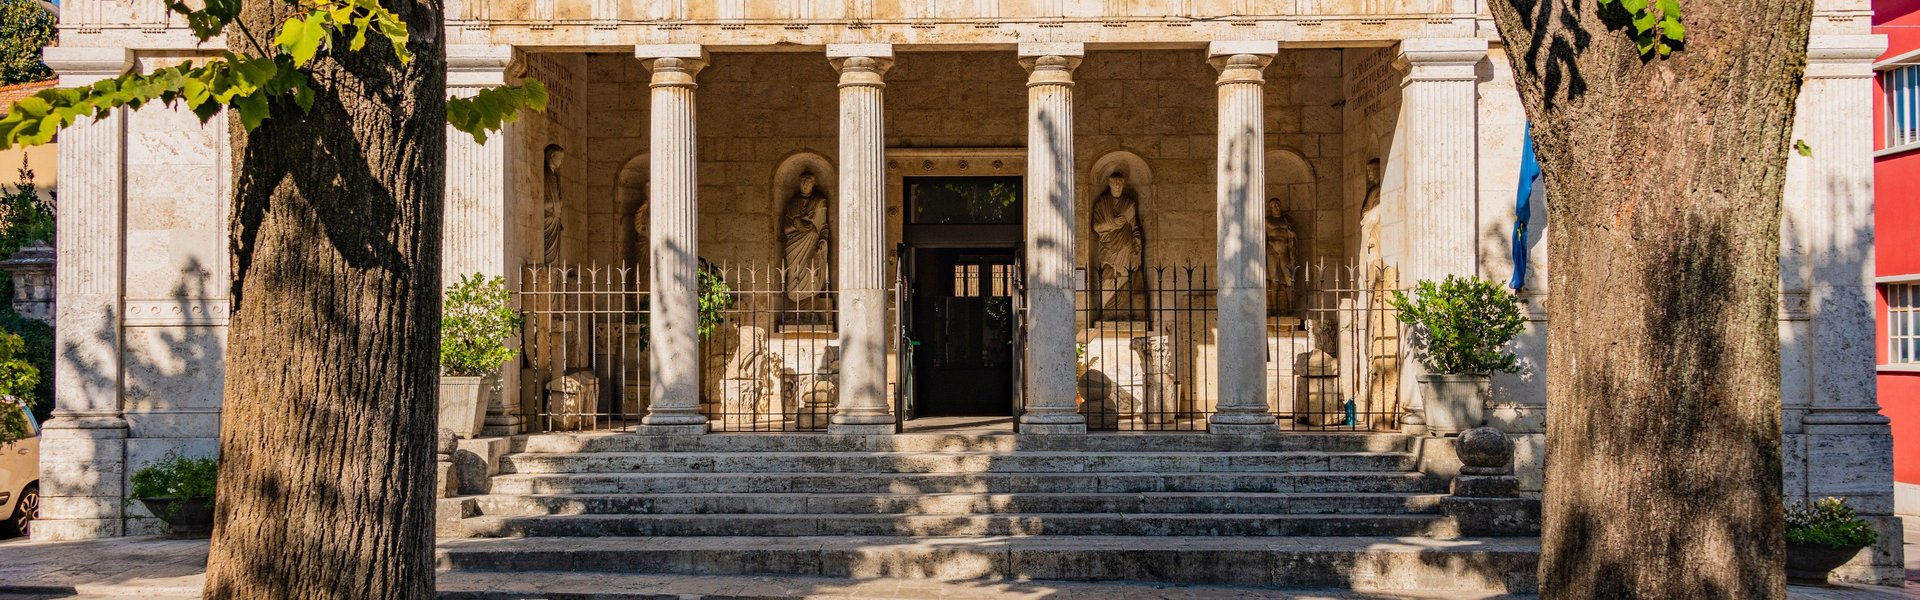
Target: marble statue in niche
[(1379, 395), (1281, 238), (805, 239), (552, 211), (1120, 282)]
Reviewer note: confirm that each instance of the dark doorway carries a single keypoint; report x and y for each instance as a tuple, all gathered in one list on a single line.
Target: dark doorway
[(963, 318), (962, 265)]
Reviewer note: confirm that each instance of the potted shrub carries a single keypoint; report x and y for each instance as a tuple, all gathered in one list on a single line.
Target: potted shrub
[(1824, 536), (1461, 328), (179, 491), (477, 325)]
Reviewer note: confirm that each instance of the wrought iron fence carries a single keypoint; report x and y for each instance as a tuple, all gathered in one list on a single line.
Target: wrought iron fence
[(1147, 348), (583, 367), (766, 361), (1335, 349), (770, 364)]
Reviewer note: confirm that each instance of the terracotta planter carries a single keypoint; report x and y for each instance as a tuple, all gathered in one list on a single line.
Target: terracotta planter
[(1455, 402), (1810, 563), (189, 517), (463, 405)]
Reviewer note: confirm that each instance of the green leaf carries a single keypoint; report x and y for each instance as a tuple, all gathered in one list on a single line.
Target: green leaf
[(253, 110), (1802, 147)]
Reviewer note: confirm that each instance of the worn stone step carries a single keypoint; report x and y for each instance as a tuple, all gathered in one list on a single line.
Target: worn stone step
[(1362, 563), (554, 443), (1005, 483), (956, 462), (1087, 524), (959, 504)]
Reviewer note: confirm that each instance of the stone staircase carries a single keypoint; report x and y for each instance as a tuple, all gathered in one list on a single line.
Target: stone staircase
[(1293, 509)]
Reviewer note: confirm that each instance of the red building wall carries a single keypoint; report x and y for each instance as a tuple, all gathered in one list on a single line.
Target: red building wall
[(1897, 239)]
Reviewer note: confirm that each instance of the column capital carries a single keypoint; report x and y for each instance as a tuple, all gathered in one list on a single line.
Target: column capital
[(1843, 56), (1226, 48), (82, 65), (673, 65), (1441, 59), (1241, 68), (479, 65), (1050, 69), (1042, 49), (881, 51), (862, 70)]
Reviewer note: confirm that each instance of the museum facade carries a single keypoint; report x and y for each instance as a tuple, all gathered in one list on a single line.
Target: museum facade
[(865, 217)]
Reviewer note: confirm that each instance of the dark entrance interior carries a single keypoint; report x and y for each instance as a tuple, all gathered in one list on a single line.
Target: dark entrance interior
[(962, 265)]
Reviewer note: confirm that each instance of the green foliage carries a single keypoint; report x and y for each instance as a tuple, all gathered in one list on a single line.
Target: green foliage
[(1463, 324), (18, 378), (716, 296), (477, 324), (13, 421), (1829, 522), (250, 85), (493, 107), (1802, 147), (176, 477), (25, 27), (25, 217), (1655, 24)]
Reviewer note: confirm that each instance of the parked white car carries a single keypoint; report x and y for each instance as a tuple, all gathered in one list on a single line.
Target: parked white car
[(19, 469)]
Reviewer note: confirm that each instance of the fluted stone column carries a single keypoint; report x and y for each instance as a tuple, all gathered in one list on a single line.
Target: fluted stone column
[(479, 188), (83, 448), (674, 334), (863, 406), (1050, 370), (1844, 447), (1441, 167), (1441, 155), (1241, 185)]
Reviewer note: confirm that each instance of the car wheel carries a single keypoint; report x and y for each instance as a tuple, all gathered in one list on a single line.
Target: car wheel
[(26, 511)]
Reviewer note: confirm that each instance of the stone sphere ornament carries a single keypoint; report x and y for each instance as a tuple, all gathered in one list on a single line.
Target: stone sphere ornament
[(444, 441), (1484, 451)]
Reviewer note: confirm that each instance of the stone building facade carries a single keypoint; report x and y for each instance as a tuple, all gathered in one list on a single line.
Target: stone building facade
[(679, 131)]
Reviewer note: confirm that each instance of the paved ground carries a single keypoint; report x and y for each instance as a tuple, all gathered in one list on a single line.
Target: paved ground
[(165, 569)]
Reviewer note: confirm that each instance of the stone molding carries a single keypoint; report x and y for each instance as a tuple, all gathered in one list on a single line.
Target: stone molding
[(175, 312), (479, 66), (79, 65), (1441, 59), (1843, 56)]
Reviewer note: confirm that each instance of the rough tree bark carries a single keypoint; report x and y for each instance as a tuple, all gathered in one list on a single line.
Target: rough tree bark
[(1664, 182), (326, 450)]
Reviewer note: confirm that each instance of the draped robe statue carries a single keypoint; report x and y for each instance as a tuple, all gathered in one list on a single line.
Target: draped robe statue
[(1380, 393), (1117, 252), (552, 211), (805, 236)]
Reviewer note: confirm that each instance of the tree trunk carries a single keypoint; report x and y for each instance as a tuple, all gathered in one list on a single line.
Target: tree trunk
[(1664, 181), (326, 475)]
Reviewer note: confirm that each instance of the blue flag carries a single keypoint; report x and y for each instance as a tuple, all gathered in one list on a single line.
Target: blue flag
[(1522, 209)]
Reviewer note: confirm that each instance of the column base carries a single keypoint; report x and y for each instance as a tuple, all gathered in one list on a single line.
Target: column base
[(860, 428), (62, 530), (1242, 424), (1053, 428), (688, 429)]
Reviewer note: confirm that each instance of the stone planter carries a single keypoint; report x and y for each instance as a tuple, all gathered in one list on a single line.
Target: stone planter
[(1455, 402), (186, 517), (1810, 563), (463, 405)]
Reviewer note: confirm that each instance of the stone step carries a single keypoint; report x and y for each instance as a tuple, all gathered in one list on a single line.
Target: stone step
[(558, 443), (1003, 483), (1086, 524), (956, 462), (1362, 563), (961, 504)]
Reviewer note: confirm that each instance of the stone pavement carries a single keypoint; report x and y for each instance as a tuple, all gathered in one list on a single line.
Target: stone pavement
[(152, 568)]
